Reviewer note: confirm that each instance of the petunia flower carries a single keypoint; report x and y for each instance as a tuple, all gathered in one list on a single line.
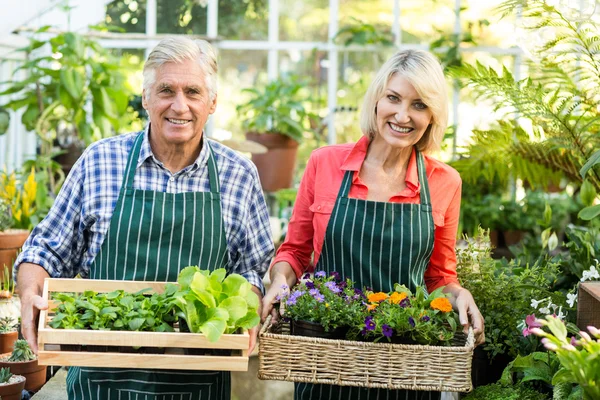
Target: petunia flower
[(335, 275), (387, 330), (411, 321), (306, 276), (309, 284), (370, 324), (425, 318)]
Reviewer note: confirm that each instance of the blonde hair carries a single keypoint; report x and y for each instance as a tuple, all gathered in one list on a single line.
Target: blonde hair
[(178, 49), (425, 73)]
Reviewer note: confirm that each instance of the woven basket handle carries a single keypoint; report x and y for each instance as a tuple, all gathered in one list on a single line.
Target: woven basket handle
[(470, 338), (265, 327)]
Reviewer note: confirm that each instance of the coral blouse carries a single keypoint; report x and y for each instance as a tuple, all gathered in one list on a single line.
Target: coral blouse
[(319, 189)]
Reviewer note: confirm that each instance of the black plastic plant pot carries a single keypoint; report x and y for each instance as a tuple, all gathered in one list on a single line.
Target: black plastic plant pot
[(314, 329)]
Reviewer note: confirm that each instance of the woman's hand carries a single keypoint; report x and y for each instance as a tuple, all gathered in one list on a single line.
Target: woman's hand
[(283, 277), (468, 313)]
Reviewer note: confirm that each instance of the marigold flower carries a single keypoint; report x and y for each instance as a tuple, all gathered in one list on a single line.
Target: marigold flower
[(377, 297), (442, 304), (396, 297)]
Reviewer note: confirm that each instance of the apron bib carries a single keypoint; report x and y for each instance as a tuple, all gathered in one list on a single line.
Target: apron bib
[(152, 236), (376, 244)]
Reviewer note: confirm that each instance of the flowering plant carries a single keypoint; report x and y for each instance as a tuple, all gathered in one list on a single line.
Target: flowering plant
[(21, 199), (421, 318), (326, 300), (578, 357)]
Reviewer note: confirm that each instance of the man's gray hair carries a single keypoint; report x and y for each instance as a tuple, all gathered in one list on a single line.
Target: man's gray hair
[(179, 49)]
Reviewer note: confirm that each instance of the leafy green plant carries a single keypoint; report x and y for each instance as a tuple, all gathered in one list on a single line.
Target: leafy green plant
[(559, 100), (5, 215), (361, 33), (7, 324), (499, 392), (214, 303), (5, 375), (7, 285), (22, 352), (279, 107)]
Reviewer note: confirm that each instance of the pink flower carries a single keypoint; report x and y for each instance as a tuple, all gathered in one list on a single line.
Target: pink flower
[(532, 323)]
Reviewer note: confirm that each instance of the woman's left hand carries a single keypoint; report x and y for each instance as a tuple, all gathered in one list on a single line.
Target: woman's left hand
[(469, 314)]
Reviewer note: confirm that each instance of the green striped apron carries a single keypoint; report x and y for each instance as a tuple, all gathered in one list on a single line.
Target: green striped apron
[(376, 244), (152, 236)]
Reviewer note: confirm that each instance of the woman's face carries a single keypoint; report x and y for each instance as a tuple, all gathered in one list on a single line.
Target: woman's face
[(402, 117)]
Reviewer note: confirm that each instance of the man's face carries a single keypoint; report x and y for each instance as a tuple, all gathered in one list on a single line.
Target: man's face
[(178, 103)]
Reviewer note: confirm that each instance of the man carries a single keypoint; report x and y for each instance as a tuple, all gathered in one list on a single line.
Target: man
[(142, 206)]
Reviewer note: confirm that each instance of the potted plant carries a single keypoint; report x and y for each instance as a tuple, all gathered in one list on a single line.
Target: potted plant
[(8, 334), (323, 306), (23, 362), (11, 386), (276, 117)]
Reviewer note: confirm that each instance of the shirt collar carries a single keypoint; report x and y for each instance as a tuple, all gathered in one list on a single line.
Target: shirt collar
[(357, 156), (146, 153)]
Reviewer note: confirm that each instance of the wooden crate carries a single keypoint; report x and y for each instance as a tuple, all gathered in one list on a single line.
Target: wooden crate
[(49, 339), (588, 305)]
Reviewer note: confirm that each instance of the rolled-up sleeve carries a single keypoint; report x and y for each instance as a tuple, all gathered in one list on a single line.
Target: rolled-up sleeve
[(257, 248), (57, 242), (442, 266)]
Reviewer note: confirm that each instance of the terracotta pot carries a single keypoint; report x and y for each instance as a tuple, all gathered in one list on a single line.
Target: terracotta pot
[(10, 243), (313, 329), (513, 237), (34, 374), (276, 166), (12, 391), (7, 341)]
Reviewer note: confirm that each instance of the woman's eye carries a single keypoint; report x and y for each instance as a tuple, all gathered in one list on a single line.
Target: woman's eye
[(420, 106), (391, 97)]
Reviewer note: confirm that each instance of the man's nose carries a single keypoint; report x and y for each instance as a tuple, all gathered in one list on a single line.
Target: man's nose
[(179, 104)]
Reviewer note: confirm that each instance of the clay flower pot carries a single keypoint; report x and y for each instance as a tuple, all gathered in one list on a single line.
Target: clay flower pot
[(13, 389), (11, 241), (7, 341), (34, 374)]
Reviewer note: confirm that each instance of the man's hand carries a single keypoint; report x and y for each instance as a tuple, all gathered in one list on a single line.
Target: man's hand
[(253, 332), (30, 281)]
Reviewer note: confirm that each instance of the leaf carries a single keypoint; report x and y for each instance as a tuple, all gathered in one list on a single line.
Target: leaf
[(563, 375), (186, 276), (593, 160), (215, 325), (236, 306), (250, 320), (72, 81), (136, 323), (589, 213), (232, 284), (200, 283), (587, 193)]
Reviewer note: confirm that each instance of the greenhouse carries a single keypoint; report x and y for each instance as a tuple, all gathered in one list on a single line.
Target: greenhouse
[(319, 199)]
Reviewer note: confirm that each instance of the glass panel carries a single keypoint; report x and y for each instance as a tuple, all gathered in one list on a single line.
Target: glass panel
[(306, 21), (377, 13), (127, 14), (243, 19), (180, 16), (238, 69)]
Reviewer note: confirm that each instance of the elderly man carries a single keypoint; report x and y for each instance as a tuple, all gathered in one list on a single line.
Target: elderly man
[(142, 206)]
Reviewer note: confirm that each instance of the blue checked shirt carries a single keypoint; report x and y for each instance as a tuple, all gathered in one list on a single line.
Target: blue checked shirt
[(66, 242)]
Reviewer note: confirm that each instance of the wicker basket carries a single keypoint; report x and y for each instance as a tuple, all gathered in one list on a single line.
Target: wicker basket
[(285, 357)]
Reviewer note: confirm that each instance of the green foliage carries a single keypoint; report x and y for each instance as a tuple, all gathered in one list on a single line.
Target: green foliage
[(215, 303), (22, 352), (5, 375), (560, 101), (361, 33), (5, 215), (279, 107), (503, 292), (7, 324), (4, 121), (500, 392)]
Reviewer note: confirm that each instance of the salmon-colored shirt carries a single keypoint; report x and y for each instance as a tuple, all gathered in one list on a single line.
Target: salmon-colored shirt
[(319, 189)]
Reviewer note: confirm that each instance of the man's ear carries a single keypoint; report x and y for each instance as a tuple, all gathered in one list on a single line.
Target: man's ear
[(144, 101), (213, 105)]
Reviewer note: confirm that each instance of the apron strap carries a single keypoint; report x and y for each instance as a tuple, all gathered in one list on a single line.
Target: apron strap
[(425, 198), (134, 154)]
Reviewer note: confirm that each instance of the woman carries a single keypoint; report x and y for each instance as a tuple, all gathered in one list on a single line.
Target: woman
[(379, 211)]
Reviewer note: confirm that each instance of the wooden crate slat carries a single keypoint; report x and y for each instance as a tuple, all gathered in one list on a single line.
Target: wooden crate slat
[(101, 286), (145, 361), (142, 339)]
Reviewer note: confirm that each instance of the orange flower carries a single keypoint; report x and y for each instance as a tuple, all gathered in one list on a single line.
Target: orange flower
[(373, 306), (377, 297), (396, 297), (442, 304)]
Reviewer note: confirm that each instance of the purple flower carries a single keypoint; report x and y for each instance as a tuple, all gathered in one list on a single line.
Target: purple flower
[(405, 302), (306, 276), (320, 274), (333, 287), (358, 294), (317, 295), (342, 285), (309, 284), (335, 275), (294, 297), (363, 332), (387, 330), (425, 318), (369, 323), (411, 321)]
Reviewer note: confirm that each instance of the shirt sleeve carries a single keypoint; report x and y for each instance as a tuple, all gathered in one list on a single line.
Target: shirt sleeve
[(57, 243), (442, 266), (257, 248), (297, 249)]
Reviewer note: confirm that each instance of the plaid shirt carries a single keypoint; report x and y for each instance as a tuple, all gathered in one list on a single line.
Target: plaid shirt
[(66, 242)]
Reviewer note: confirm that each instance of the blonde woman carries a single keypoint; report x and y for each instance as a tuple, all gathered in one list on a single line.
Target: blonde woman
[(381, 210)]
